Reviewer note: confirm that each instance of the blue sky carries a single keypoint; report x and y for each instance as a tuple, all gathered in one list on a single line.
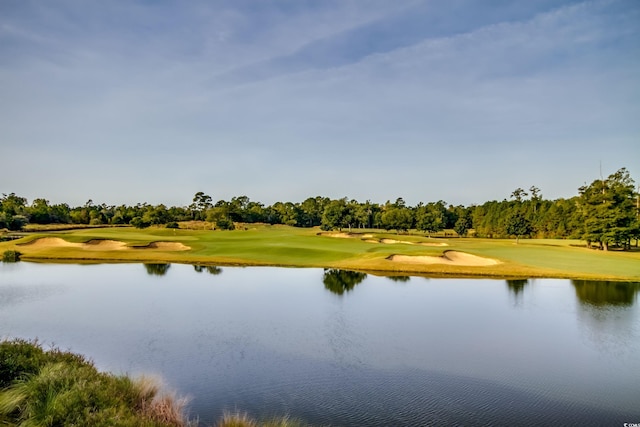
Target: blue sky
[(463, 100)]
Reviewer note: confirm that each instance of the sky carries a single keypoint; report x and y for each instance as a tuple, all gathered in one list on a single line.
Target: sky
[(128, 101)]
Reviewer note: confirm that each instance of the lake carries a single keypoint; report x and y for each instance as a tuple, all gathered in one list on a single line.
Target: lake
[(341, 348)]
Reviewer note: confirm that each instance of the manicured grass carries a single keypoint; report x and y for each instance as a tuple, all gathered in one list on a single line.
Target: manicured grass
[(299, 247)]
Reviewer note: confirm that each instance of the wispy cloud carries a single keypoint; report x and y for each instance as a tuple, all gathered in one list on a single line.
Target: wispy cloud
[(281, 100)]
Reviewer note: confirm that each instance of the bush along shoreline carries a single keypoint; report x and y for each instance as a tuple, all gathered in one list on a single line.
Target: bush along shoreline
[(59, 388)]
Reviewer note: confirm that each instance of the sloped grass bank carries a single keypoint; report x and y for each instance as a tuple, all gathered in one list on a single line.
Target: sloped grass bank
[(57, 388)]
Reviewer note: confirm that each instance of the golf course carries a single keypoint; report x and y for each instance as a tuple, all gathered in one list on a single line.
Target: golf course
[(374, 251)]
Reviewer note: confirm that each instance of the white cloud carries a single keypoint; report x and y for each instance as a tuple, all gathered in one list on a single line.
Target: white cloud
[(520, 99)]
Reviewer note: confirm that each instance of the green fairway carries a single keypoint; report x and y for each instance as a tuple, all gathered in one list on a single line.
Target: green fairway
[(266, 245)]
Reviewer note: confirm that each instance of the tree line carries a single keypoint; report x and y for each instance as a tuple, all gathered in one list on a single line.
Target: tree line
[(604, 213)]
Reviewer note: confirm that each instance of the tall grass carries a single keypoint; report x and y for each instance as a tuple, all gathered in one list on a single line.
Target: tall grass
[(56, 388), (241, 419)]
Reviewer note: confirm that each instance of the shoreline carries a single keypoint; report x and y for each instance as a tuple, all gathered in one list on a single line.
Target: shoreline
[(291, 247), (381, 272)]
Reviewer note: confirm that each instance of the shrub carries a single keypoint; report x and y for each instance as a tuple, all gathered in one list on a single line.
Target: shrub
[(225, 224), (138, 222), (11, 256), (17, 222), (53, 387), (244, 420), (172, 225)]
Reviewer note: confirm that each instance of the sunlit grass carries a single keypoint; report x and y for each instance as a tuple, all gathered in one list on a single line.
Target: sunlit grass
[(57, 388), (240, 419), (266, 245)]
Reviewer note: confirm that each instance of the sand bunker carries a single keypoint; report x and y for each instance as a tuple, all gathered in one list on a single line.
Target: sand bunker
[(345, 235), (51, 242), (370, 239), (339, 235), (102, 245), (165, 246), (393, 241), (448, 258)]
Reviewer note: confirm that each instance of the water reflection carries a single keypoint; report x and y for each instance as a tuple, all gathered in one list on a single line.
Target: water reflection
[(157, 269), (211, 269), (606, 315), (394, 353), (516, 290), (341, 281), (601, 293), (399, 278), (517, 285)]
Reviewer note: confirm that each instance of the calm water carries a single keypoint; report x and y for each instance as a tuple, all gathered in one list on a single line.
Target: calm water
[(342, 348)]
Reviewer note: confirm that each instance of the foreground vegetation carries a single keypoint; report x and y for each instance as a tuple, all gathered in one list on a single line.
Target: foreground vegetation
[(367, 250), (57, 388)]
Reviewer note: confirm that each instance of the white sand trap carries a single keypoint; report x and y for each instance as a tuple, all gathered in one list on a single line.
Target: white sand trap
[(102, 245), (52, 242), (393, 241), (339, 235), (449, 258), (166, 246), (345, 235)]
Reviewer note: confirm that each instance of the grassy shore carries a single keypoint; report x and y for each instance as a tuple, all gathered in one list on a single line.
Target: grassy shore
[(40, 387), (368, 250)]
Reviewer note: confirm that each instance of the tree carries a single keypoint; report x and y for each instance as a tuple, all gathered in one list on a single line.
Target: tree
[(311, 211), (536, 197), (430, 218), (40, 212), (201, 202), (397, 218), (335, 215), (138, 222), (463, 224), (156, 215), (288, 213), (12, 204), (519, 194), (254, 212), (518, 225), (18, 222), (220, 217), (609, 212)]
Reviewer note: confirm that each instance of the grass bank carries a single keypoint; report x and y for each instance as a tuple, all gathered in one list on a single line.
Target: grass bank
[(41, 387), (370, 250), (57, 388)]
